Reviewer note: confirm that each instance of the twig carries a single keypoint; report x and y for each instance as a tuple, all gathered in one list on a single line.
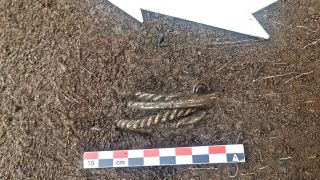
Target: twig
[(95, 129), (274, 94), (247, 174), (283, 159), (304, 27), (88, 71), (120, 51), (313, 10), (269, 77), (65, 94), (2, 80), (220, 44), (66, 97), (298, 76), (210, 168), (240, 134), (223, 66), (219, 139), (307, 102), (233, 42), (62, 67), (76, 95), (48, 100), (312, 157), (282, 24), (290, 27), (263, 167), (14, 82), (313, 43), (236, 173)]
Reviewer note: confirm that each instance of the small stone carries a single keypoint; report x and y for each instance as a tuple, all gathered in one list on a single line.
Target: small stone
[(72, 114), (160, 38)]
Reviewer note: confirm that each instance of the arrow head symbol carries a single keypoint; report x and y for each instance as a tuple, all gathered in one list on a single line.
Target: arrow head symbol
[(130, 7), (233, 15)]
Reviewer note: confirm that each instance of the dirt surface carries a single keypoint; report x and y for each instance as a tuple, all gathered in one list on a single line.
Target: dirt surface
[(68, 68)]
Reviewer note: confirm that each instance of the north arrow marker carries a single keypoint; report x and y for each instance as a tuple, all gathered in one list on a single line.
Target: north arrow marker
[(232, 15)]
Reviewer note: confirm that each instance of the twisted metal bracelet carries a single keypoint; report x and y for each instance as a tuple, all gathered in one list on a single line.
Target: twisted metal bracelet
[(197, 101), (154, 119), (191, 119), (177, 105), (157, 97)]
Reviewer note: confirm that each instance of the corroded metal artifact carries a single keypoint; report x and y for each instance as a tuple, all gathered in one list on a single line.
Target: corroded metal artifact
[(197, 101), (178, 106), (154, 119)]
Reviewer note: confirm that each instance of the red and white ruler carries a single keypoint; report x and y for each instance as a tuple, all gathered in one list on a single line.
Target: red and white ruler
[(165, 156)]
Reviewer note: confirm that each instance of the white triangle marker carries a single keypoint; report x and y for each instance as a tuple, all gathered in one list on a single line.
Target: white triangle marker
[(233, 15), (235, 158)]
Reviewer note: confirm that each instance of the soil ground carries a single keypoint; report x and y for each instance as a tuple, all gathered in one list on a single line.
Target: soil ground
[(68, 68)]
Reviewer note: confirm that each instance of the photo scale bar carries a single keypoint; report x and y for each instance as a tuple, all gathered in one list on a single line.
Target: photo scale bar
[(165, 156)]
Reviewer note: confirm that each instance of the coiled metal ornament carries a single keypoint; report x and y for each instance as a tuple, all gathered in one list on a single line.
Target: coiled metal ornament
[(176, 106)]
